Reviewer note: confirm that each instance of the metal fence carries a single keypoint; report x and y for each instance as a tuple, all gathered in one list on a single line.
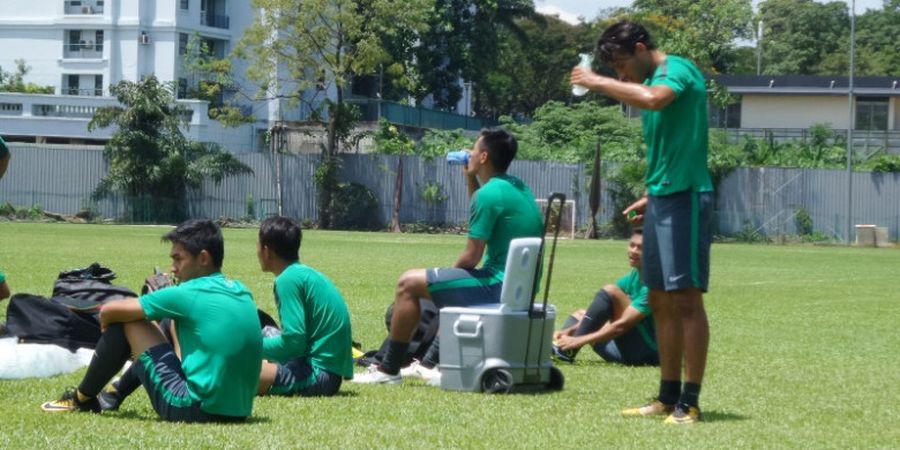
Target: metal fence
[(766, 200)]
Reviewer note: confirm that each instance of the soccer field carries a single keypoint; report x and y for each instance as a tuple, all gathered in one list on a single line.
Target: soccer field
[(804, 353)]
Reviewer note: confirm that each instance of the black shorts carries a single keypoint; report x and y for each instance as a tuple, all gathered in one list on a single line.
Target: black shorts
[(299, 377), (677, 239), (159, 370)]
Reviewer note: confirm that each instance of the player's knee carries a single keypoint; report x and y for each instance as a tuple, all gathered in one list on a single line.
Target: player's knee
[(410, 282), (579, 314)]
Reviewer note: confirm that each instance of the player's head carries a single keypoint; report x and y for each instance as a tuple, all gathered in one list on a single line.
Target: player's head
[(627, 47), (635, 247), (197, 249), (495, 146), (278, 237)]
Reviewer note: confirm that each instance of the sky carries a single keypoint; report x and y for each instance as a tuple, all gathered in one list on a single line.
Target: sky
[(570, 10)]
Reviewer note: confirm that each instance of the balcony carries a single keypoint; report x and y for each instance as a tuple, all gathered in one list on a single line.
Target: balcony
[(83, 8), (83, 50), (214, 20), (86, 92)]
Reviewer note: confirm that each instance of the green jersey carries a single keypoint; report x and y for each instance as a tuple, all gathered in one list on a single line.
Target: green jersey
[(501, 210), (221, 344), (677, 136), (3, 148), (315, 322), (633, 287), (2, 276)]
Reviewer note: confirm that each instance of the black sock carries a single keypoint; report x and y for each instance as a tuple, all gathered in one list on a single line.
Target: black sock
[(690, 395), (598, 313), (127, 383), (393, 357), (669, 391), (433, 356), (110, 355)]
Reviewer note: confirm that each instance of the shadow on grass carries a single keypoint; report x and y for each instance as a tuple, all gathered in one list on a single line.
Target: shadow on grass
[(134, 415), (715, 416)]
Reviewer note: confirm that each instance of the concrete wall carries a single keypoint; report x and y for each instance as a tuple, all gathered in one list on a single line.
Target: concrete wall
[(770, 111)]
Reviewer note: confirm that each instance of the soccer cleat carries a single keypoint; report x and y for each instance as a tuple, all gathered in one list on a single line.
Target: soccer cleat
[(374, 376), (562, 355), (417, 370), (110, 399), (684, 415), (69, 402), (652, 408)]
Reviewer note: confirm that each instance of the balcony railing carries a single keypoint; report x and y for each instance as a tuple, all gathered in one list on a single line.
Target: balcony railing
[(214, 20), (372, 109), (83, 51), (83, 8), (90, 92)]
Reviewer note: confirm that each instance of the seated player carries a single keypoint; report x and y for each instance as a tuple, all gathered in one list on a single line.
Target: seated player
[(502, 209), (4, 288), (312, 355), (618, 324), (4, 157), (220, 343)]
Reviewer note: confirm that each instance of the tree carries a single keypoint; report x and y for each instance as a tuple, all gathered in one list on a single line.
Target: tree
[(15, 81), (310, 50), (799, 34), (150, 160), (391, 141)]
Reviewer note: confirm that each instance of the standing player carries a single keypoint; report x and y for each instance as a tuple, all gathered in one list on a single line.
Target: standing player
[(215, 317), (502, 209), (676, 209)]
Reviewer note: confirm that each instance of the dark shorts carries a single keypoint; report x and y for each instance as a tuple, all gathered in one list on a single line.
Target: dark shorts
[(629, 349), (299, 377), (160, 373), (677, 238), (463, 287)]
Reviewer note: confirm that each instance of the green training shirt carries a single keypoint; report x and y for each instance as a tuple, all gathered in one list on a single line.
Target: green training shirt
[(633, 287), (3, 148), (315, 322), (501, 210), (2, 276), (221, 344), (677, 136)]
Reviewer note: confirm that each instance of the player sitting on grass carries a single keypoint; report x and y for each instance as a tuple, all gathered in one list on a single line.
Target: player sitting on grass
[(4, 288), (313, 352), (502, 209), (618, 324), (215, 317)]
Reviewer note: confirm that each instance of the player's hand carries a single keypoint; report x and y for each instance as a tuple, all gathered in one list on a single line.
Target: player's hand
[(570, 342), (635, 212), (584, 76)]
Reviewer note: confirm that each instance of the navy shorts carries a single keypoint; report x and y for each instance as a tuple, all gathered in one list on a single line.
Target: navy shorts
[(299, 377), (463, 287), (630, 348), (677, 239), (159, 370)]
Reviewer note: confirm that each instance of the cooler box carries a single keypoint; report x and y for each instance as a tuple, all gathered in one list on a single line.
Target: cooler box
[(493, 348)]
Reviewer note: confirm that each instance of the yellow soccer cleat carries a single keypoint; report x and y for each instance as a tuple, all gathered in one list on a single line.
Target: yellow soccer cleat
[(653, 408), (684, 415)]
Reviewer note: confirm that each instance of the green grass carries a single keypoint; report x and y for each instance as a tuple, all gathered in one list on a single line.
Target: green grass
[(804, 353)]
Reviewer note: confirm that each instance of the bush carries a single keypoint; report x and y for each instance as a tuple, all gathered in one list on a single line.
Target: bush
[(355, 207), (803, 222)]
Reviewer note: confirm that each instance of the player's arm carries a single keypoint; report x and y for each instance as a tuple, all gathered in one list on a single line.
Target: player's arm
[(127, 310), (471, 256), (609, 331), (637, 95), (292, 341)]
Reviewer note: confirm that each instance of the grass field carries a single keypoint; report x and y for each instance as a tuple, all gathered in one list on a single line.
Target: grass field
[(804, 353)]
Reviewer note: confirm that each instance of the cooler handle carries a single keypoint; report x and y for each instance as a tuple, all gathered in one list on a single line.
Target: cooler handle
[(464, 334)]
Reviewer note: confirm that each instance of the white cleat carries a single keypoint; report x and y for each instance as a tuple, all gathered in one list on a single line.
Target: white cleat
[(374, 376), (417, 370)]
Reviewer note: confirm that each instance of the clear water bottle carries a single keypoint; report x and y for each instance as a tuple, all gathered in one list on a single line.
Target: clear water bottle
[(586, 60), (458, 158)]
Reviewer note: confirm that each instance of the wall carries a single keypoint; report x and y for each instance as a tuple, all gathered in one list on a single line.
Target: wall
[(769, 111)]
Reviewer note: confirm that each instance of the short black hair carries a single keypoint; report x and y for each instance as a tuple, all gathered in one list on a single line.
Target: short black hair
[(501, 147), (283, 235), (621, 38), (196, 235)]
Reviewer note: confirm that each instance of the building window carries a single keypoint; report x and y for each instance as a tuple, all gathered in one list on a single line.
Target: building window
[(98, 85), (185, 4), (182, 43), (872, 113), (182, 88), (71, 86)]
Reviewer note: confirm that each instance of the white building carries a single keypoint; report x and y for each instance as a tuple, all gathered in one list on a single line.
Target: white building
[(81, 47)]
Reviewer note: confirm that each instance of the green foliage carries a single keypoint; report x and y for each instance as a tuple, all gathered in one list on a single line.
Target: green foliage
[(803, 221), (391, 141), (15, 81), (749, 234), (250, 207), (436, 144), (433, 193), (150, 160), (356, 208), (881, 163)]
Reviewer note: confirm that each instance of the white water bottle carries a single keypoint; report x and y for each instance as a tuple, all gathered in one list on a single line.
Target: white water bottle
[(586, 60)]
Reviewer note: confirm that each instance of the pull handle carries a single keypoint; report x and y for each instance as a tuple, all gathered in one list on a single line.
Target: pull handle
[(473, 331)]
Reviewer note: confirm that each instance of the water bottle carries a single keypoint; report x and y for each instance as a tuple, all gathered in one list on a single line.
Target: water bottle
[(586, 60), (458, 158)]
